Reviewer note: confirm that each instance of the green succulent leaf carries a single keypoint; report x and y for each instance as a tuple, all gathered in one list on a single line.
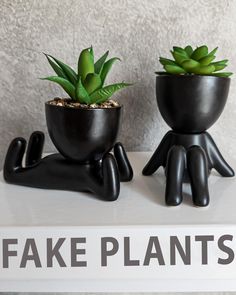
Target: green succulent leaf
[(179, 58), (103, 94), (213, 51), (91, 51), (81, 94), (174, 69), (222, 74), (180, 50), (166, 61), (220, 65), (85, 63), (87, 85), (204, 70), (68, 71), (205, 61), (65, 84), (224, 62), (92, 82), (200, 52), (189, 61), (190, 64), (56, 68), (189, 50), (100, 62), (106, 68)]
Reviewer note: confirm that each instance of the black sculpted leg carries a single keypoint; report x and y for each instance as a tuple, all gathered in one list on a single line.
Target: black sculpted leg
[(124, 167), (35, 148), (218, 162), (111, 182), (174, 175), (198, 173), (159, 157)]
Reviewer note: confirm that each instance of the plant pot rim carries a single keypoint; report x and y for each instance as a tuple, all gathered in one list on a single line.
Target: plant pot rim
[(191, 76), (47, 103)]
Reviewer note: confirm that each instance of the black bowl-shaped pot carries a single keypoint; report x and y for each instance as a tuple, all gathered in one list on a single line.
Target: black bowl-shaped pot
[(191, 104), (83, 135)]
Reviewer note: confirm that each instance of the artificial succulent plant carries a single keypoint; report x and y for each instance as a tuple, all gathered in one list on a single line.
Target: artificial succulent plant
[(87, 85), (198, 61)]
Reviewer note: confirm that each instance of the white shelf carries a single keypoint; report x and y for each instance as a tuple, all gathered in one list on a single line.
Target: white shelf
[(140, 212)]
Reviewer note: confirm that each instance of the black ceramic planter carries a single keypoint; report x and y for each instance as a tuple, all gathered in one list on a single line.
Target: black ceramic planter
[(84, 139), (189, 105), (83, 135)]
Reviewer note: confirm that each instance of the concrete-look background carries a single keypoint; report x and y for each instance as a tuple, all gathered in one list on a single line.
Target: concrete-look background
[(138, 31)]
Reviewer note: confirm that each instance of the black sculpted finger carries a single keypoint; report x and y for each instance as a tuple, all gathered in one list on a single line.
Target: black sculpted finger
[(35, 148)]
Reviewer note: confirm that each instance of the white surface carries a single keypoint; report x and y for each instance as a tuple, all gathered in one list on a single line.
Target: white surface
[(139, 213), (141, 202)]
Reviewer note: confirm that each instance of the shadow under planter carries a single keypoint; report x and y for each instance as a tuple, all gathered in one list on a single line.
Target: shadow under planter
[(84, 138), (189, 105)]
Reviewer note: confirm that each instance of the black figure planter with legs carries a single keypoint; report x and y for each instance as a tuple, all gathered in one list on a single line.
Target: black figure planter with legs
[(189, 104), (84, 138)]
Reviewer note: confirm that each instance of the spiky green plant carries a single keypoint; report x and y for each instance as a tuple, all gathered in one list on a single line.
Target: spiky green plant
[(87, 85), (198, 62)]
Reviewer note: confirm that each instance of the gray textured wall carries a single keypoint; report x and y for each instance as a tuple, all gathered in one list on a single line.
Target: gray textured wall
[(137, 30)]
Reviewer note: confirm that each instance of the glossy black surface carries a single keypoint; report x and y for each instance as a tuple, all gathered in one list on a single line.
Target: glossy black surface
[(124, 167), (198, 170), (56, 172), (187, 157), (174, 175), (191, 104), (83, 135)]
